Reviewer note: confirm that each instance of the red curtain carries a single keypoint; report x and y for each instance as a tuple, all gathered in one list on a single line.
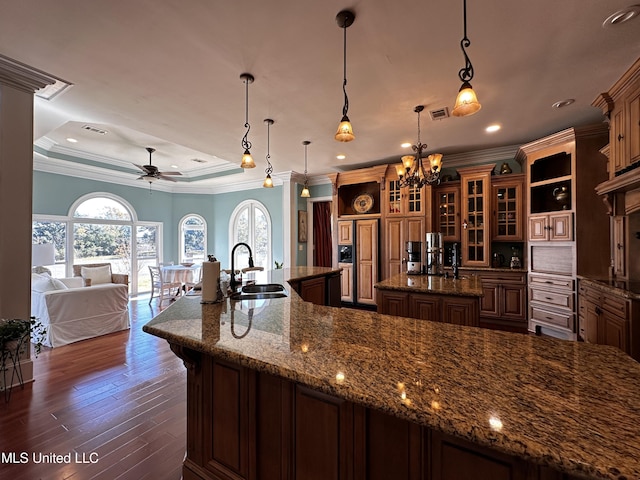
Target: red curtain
[(322, 234)]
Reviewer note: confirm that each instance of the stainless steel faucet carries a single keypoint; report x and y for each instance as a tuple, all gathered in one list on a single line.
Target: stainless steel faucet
[(233, 283)]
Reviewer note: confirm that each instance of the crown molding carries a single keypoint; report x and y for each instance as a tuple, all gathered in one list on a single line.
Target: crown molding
[(23, 77)]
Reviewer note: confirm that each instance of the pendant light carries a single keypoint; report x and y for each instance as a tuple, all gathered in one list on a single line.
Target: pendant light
[(268, 182), (247, 159), (412, 172), (345, 131), (305, 189), (467, 101)]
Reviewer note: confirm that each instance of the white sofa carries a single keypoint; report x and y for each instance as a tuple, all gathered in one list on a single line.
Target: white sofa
[(71, 312)]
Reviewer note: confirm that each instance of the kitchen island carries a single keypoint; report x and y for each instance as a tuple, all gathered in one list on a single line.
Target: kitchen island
[(432, 297), (282, 388)]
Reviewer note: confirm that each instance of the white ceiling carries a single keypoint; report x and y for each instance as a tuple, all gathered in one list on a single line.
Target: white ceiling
[(166, 74)]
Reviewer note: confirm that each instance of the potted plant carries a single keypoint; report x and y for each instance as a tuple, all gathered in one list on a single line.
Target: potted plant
[(14, 332)]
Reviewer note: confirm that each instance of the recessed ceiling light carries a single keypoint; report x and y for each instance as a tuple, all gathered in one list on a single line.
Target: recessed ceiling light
[(563, 103), (492, 128), (405, 145), (622, 16), (341, 156), (72, 140)]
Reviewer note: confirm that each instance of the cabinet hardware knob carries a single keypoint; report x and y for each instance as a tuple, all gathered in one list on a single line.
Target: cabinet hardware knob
[(619, 246), (620, 136)]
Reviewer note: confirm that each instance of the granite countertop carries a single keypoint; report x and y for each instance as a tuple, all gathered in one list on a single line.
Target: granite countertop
[(465, 286), (572, 406), (624, 288)]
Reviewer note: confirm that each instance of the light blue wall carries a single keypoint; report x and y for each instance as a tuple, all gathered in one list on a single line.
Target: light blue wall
[(54, 194), (324, 190)]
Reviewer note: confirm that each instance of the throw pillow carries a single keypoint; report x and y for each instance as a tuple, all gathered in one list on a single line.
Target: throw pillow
[(97, 275), (72, 282), (47, 284)]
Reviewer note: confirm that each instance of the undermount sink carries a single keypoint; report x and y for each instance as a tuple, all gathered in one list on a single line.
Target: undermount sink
[(263, 288), (260, 291)]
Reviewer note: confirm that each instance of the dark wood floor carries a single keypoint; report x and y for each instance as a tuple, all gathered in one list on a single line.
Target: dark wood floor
[(119, 400)]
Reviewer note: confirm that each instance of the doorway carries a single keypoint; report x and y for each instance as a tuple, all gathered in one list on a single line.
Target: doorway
[(320, 253)]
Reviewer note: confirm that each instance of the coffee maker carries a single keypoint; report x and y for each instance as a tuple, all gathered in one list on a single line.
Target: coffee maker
[(414, 261), (434, 254)]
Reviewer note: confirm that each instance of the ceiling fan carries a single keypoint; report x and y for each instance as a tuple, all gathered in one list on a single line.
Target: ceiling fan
[(150, 173)]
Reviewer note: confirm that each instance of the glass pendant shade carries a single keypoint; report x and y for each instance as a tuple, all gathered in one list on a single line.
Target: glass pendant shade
[(268, 182), (247, 160), (435, 159), (407, 162), (345, 130), (400, 170), (466, 102), (305, 192)]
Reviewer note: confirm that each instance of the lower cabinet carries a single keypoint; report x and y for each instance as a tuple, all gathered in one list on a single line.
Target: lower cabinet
[(552, 305), (323, 290), (244, 424), (607, 318), (436, 308), (504, 305)]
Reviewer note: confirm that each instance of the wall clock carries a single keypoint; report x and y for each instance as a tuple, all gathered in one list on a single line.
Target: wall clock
[(363, 203)]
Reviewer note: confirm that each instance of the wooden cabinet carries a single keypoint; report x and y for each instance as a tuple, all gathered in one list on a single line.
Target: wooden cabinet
[(475, 185), (553, 227), (366, 260), (323, 290), (244, 424), (399, 231), (446, 212), (347, 282), (608, 318), (453, 309), (508, 208), (504, 305), (402, 201), (618, 245), (622, 105), (567, 223), (345, 232)]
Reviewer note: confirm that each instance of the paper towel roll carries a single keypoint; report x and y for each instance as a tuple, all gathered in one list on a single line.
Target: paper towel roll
[(210, 281)]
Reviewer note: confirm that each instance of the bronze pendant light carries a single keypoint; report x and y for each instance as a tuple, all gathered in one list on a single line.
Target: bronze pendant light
[(467, 101), (268, 182), (305, 189), (345, 131), (247, 159)]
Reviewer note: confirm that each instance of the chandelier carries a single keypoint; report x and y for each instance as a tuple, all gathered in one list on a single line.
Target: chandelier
[(412, 172)]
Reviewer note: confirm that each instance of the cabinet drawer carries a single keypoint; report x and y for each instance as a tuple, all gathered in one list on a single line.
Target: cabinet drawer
[(547, 281), (590, 293), (556, 298), (502, 277), (564, 320), (615, 305)]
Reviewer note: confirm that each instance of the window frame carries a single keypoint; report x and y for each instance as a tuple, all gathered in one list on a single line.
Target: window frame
[(252, 206), (181, 231)]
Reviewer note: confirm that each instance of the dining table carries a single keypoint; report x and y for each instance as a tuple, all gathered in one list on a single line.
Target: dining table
[(184, 274)]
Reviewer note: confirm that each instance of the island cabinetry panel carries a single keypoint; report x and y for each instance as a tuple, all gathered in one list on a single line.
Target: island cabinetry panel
[(504, 304), (454, 309), (475, 184), (608, 318), (260, 426), (323, 290), (393, 303), (446, 212)]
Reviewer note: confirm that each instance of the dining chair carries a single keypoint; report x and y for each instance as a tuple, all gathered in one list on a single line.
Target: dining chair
[(197, 278), (161, 289)]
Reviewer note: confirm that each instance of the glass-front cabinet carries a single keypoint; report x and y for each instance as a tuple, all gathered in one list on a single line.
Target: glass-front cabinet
[(404, 200), (475, 186), (508, 214), (447, 211)]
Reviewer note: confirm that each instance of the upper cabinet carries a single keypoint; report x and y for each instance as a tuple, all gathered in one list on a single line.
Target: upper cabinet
[(622, 105), (475, 187), (508, 209), (404, 201), (358, 192), (446, 211)]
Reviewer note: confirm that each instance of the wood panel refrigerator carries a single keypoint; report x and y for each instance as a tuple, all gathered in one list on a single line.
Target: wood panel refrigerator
[(358, 256)]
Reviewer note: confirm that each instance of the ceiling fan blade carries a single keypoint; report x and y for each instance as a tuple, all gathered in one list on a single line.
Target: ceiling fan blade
[(169, 173), (166, 178)]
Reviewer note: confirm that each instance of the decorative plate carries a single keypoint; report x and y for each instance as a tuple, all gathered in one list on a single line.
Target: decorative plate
[(363, 203)]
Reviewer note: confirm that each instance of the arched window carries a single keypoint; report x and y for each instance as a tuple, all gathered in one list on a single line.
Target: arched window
[(193, 238), (250, 223)]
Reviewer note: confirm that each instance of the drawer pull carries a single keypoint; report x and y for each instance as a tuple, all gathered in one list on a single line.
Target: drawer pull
[(549, 318), (548, 298), (548, 281)]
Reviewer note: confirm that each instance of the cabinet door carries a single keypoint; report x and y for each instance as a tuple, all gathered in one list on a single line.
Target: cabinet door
[(393, 303), (347, 282), (613, 331), (425, 307), (508, 211), (345, 233), (394, 243), (538, 227), (561, 226), (447, 212), (591, 319), (513, 301), (618, 245), (404, 200), (461, 311), (489, 304), (314, 291), (476, 221), (618, 141), (633, 133), (367, 258)]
